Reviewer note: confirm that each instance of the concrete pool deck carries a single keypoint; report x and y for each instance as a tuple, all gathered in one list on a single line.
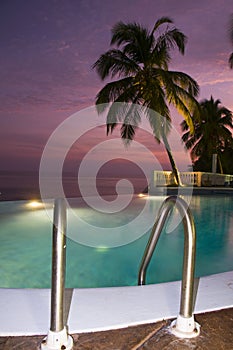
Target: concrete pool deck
[(120, 313), (216, 334)]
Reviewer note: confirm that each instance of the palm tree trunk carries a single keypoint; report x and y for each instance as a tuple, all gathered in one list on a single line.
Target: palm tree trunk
[(175, 171)]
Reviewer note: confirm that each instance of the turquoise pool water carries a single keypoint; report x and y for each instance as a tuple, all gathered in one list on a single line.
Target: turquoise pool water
[(26, 234)]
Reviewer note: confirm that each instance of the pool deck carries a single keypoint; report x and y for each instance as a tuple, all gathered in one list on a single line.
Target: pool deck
[(121, 317), (216, 334)]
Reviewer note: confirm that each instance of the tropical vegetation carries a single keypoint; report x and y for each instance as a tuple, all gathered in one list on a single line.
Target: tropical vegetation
[(139, 63), (212, 135)]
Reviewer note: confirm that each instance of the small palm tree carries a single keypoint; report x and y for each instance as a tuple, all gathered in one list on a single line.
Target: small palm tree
[(140, 64), (231, 38), (211, 131)]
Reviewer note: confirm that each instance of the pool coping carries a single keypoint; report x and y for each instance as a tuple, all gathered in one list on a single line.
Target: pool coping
[(191, 190), (27, 311)]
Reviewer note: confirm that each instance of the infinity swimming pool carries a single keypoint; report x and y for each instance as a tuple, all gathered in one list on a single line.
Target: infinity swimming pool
[(26, 234)]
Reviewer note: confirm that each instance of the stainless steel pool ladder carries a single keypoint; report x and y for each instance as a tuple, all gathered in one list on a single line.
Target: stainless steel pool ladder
[(184, 326), (58, 337)]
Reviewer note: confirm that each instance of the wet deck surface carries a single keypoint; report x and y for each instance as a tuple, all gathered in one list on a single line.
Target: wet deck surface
[(216, 334)]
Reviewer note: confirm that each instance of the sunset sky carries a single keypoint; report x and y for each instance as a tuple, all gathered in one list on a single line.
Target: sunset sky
[(49, 46)]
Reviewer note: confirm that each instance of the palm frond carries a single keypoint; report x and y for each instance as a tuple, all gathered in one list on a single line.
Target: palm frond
[(158, 104), (134, 114), (110, 127), (179, 94), (111, 91), (231, 60), (127, 133), (129, 114), (160, 57), (115, 62), (184, 126), (172, 39), (185, 81), (159, 124), (185, 136), (227, 121), (159, 22), (134, 40), (123, 33), (115, 115)]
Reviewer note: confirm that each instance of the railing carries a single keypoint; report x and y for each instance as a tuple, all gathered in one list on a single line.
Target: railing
[(191, 178), (57, 337), (184, 326)]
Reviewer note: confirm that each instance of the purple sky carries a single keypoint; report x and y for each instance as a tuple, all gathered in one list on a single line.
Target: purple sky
[(48, 47)]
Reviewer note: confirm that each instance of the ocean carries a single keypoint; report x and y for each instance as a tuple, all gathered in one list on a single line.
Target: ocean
[(24, 185)]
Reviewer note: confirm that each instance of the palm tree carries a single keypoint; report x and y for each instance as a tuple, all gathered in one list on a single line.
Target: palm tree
[(231, 38), (212, 133), (140, 64), (227, 158)]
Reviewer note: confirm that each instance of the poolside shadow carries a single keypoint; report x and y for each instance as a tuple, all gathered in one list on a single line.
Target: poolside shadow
[(195, 290), (68, 298)]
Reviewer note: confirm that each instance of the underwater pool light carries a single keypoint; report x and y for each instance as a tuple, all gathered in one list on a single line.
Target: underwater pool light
[(34, 204)]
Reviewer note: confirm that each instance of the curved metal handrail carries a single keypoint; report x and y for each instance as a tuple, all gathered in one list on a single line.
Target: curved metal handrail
[(186, 302)]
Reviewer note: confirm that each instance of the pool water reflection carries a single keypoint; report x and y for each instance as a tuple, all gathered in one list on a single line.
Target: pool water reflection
[(26, 234)]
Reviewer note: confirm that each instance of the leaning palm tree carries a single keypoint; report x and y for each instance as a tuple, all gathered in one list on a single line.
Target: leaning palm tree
[(140, 63), (231, 38), (211, 131)]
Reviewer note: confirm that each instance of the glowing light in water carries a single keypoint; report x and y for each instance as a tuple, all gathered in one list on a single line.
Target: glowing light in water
[(102, 249), (34, 204), (141, 195)]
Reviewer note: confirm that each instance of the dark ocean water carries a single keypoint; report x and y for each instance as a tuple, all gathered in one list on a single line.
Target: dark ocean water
[(25, 185)]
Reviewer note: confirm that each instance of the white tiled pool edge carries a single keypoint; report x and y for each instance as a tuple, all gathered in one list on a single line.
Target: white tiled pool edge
[(27, 311)]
